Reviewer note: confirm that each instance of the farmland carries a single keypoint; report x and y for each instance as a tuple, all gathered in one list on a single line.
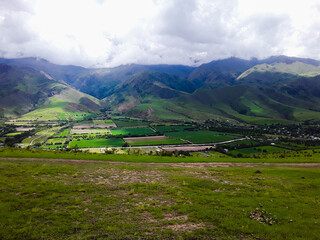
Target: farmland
[(13, 134), (202, 136), (64, 133), (90, 131), (156, 140), (172, 128), (53, 146), (56, 140), (102, 142), (132, 131), (103, 122), (127, 122), (86, 134)]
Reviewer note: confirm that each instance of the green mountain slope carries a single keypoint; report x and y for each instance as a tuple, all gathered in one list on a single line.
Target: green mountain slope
[(270, 74), (38, 96), (99, 82), (153, 95), (95, 81), (274, 92), (276, 89), (220, 72)]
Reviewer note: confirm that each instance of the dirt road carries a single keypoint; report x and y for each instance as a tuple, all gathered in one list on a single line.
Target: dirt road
[(185, 165)]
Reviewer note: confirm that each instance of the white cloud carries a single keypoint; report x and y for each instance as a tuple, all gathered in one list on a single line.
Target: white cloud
[(114, 32)]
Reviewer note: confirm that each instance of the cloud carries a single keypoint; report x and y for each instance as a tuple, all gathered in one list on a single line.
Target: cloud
[(197, 21), (114, 32)]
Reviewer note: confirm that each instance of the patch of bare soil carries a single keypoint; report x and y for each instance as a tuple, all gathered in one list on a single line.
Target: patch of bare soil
[(171, 217), (150, 111), (83, 126), (126, 106), (183, 227), (114, 176)]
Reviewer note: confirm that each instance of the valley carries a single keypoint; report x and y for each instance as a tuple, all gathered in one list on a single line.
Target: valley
[(233, 106), (133, 136)]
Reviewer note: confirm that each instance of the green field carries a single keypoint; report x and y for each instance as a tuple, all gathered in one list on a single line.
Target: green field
[(103, 142), (13, 134), (90, 135), (103, 122), (124, 122), (52, 146), (53, 141), (202, 136), (172, 128), (132, 131), (67, 200), (156, 140), (64, 133)]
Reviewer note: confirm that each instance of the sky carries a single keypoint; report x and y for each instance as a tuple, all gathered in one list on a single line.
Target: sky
[(108, 33)]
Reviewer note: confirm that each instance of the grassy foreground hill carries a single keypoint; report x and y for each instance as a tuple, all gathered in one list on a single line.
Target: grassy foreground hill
[(86, 199)]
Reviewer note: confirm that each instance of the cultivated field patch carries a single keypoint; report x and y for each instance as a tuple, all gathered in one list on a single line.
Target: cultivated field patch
[(202, 136), (132, 131), (127, 122), (153, 140), (104, 123), (172, 128), (64, 133), (102, 142), (90, 131)]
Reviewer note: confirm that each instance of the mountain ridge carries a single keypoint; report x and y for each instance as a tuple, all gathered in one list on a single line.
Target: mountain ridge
[(278, 87)]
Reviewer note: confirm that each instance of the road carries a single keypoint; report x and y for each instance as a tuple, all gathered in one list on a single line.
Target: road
[(184, 145), (181, 164)]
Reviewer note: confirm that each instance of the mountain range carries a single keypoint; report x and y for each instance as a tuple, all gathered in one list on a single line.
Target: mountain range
[(276, 89)]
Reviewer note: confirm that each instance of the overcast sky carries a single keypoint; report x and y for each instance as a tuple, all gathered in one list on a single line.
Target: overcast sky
[(114, 32)]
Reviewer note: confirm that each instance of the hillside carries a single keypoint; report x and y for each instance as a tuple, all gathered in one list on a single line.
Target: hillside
[(277, 89), (93, 81), (220, 72), (35, 95)]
